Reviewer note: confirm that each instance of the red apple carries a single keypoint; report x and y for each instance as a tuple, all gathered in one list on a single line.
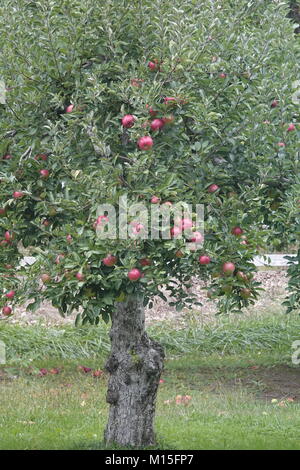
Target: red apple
[(10, 294), (145, 143), (80, 277), (137, 227), (204, 259), (7, 156), (54, 371), (197, 237), (8, 237), (6, 310), (18, 194), (46, 222), (145, 261), (128, 120), (175, 232), (134, 274), (45, 278), (69, 238), (222, 75), (213, 188), (170, 100), (69, 108), (274, 104), (44, 173), (152, 65), (291, 127), (228, 268), (157, 124), (155, 200), (98, 373), (281, 144), (110, 260), (41, 156), (237, 231), (43, 371), (101, 219)]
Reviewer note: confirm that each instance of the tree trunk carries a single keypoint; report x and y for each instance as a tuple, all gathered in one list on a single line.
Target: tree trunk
[(135, 365), (294, 13)]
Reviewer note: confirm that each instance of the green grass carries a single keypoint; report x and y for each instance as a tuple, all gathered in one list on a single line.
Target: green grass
[(270, 334), (68, 411), (230, 407)]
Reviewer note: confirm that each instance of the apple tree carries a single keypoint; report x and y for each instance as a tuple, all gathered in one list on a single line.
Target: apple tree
[(153, 103)]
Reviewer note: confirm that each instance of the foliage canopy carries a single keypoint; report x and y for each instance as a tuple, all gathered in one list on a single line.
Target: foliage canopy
[(232, 69)]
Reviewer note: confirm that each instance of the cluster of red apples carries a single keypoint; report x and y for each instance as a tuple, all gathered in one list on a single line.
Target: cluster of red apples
[(128, 121), (144, 143), (228, 268), (8, 236)]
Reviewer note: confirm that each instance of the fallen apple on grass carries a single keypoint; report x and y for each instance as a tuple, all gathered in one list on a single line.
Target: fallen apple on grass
[(98, 373)]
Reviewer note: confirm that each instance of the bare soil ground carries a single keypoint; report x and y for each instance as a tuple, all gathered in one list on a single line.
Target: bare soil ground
[(279, 382), (274, 283)]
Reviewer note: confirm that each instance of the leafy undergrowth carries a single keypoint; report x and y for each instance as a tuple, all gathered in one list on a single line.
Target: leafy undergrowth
[(270, 334), (229, 386)]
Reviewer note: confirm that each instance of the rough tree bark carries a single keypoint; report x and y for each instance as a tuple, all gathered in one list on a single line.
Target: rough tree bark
[(135, 365), (294, 13)]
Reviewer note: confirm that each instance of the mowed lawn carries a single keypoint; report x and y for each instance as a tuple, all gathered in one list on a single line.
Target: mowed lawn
[(246, 397)]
